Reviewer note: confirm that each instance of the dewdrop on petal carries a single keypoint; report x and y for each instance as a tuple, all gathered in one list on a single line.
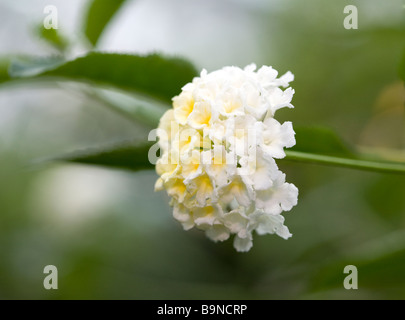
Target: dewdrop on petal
[(219, 144)]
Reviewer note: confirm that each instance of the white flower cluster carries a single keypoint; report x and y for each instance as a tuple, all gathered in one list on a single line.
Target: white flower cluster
[(218, 146)]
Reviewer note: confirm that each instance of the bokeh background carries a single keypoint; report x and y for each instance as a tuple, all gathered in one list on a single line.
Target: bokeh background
[(112, 237)]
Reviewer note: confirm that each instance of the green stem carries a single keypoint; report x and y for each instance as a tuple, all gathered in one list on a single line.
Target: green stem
[(386, 167)]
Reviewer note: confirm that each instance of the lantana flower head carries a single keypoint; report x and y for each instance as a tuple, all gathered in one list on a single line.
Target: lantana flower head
[(218, 149)]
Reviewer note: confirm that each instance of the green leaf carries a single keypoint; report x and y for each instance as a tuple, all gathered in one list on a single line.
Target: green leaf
[(130, 107), (154, 75), (24, 67), (402, 68), (4, 66), (386, 200), (384, 255), (98, 16), (54, 38), (124, 156)]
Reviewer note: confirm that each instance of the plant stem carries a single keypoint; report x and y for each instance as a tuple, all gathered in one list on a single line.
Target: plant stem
[(368, 165)]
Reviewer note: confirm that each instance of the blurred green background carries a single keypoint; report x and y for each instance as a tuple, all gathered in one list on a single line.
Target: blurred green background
[(112, 237)]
